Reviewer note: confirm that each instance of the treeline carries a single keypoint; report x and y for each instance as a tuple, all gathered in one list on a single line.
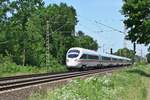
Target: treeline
[(137, 21), (125, 52), (23, 27)]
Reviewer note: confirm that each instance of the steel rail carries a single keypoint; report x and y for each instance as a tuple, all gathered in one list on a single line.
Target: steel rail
[(19, 82)]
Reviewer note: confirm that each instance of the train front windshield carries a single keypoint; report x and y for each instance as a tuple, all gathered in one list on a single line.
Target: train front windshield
[(73, 53)]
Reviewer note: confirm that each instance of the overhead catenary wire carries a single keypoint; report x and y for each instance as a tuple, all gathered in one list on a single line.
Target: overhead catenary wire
[(47, 40), (98, 23), (102, 24), (110, 27)]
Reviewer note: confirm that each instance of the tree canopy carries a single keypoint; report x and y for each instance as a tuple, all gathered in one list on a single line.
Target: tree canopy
[(137, 20), (148, 55), (23, 27), (125, 52)]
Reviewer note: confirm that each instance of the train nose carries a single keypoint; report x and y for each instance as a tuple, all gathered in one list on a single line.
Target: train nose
[(67, 60), (71, 62)]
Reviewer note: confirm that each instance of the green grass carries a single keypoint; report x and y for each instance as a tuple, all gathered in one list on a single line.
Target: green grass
[(126, 84), (11, 69)]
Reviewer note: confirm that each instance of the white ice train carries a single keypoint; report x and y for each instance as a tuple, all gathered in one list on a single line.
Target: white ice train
[(83, 58)]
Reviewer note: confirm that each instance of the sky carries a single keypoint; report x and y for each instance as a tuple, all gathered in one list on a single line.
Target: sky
[(107, 12)]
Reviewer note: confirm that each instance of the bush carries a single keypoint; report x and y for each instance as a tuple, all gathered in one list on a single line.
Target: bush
[(9, 68), (5, 59), (127, 84)]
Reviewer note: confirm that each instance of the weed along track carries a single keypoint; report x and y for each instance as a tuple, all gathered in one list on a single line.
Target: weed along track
[(10, 86)]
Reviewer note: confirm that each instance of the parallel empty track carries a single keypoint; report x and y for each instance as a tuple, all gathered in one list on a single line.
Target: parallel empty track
[(8, 83)]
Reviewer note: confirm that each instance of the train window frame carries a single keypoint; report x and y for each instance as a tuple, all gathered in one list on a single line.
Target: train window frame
[(74, 51)]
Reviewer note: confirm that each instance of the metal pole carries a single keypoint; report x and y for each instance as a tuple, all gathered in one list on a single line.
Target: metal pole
[(47, 44), (125, 44), (134, 49), (111, 51)]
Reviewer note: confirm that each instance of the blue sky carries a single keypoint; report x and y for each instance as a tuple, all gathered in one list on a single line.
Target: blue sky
[(104, 11)]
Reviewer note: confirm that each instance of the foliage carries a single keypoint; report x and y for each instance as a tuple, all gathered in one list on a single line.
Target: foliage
[(87, 42), (148, 57), (126, 84), (5, 59), (80, 33), (137, 20), (125, 52), (23, 27), (11, 69)]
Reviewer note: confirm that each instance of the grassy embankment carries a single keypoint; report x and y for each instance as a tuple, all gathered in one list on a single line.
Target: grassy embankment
[(127, 84), (11, 69)]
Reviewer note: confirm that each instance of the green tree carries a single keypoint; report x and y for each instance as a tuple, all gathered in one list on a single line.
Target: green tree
[(148, 57), (4, 23), (19, 37), (80, 33), (26, 27), (3, 17), (4, 8), (85, 41), (62, 20), (137, 20), (125, 52)]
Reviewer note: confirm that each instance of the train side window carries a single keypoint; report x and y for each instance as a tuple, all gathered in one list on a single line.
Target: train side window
[(84, 56), (105, 58), (120, 60), (90, 57), (114, 59), (95, 57)]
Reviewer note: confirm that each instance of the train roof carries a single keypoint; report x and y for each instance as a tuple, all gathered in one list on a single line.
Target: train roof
[(113, 56), (87, 51)]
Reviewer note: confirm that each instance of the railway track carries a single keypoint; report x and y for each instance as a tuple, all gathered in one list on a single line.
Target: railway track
[(9, 83)]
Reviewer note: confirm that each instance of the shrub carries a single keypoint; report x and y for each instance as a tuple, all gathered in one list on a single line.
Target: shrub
[(127, 84)]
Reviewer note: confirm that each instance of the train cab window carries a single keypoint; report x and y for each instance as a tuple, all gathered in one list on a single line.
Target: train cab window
[(73, 55), (84, 56)]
